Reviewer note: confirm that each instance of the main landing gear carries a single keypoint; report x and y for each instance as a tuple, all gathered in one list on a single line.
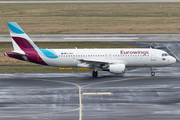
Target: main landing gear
[(152, 71), (94, 73)]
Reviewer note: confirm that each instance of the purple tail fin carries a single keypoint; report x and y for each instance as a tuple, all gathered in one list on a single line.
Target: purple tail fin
[(24, 47)]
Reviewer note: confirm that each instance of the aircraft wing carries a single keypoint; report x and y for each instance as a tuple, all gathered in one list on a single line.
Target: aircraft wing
[(93, 62)]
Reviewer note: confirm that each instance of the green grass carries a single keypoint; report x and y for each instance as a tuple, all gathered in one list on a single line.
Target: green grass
[(38, 69), (114, 18)]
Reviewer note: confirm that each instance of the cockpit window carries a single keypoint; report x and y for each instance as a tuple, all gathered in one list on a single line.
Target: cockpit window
[(165, 54)]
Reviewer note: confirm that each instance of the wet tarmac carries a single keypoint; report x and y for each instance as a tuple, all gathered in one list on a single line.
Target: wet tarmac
[(134, 95), (80, 96)]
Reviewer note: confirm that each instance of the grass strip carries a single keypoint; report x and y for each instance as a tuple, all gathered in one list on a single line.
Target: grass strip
[(39, 69), (92, 17)]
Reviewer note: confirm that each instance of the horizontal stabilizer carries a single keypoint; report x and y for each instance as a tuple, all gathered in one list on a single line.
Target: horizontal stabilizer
[(18, 54), (14, 53)]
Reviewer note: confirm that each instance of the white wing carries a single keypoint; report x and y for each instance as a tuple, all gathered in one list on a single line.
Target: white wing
[(92, 63)]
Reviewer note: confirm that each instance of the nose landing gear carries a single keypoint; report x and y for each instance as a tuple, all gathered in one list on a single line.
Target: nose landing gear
[(152, 71)]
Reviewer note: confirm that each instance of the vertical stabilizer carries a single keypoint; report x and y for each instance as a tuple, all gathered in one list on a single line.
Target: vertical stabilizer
[(21, 42), (24, 47)]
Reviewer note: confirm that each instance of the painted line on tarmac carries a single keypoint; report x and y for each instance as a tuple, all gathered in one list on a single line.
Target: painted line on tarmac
[(98, 93), (89, 93), (115, 81), (46, 80), (103, 35), (101, 93), (80, 104)]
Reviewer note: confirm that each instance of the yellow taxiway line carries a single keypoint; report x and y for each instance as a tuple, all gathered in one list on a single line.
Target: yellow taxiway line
[(89, 93), (80, 106), (98, 93), (103, 93)]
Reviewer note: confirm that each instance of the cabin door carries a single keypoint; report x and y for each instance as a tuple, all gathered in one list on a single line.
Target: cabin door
[(153, 55)]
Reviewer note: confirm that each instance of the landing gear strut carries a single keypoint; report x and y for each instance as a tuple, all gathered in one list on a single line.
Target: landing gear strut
[(94, 73), (152, 71)]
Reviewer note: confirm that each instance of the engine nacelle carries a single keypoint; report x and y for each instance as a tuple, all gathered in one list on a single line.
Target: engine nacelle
[(117, 68)]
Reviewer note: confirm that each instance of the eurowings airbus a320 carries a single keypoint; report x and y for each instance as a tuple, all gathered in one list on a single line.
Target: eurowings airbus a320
[(112, 60)]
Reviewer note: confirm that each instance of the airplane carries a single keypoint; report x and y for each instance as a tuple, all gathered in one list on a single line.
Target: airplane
[(112, 60)]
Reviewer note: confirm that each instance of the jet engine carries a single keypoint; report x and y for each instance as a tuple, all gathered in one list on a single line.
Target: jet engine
[(117, 68)]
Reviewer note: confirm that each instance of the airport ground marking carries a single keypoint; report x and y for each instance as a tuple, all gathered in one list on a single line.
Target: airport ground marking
[(103, 93), (114, 81), (80, 114), (80, 106), (135, 38), (89, 93), (96, 93)]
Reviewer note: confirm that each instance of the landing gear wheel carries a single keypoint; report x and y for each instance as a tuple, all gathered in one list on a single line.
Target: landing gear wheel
[(152, 73), (94, 73)]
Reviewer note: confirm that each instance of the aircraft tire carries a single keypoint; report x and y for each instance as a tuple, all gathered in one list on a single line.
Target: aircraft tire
[(152, 73), (94, 73)]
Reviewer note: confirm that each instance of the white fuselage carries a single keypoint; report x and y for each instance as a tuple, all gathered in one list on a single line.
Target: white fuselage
[(129, 57)]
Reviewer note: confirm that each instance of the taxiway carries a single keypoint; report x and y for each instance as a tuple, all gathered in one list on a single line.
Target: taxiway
[(134, 95), (80, 96)]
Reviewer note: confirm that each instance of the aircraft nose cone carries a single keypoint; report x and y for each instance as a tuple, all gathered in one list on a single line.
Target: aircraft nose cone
[(173, 60)]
